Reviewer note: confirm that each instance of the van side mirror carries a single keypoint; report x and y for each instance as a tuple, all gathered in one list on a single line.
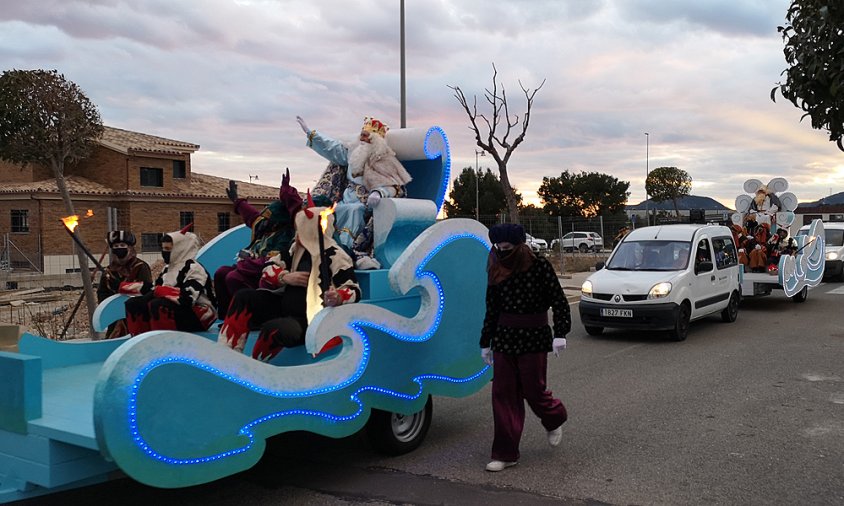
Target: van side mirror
[(703, 267), (599, 266)]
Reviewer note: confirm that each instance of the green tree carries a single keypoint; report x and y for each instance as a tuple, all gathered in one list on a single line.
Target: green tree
[(814, 43), (668, 183), (48, 120), (585, 194), (462, 195)]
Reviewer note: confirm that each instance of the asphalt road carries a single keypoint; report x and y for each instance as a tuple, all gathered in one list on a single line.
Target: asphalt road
[(745, 413)]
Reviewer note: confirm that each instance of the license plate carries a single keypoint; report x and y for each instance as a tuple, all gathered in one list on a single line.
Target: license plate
[(623, 313)]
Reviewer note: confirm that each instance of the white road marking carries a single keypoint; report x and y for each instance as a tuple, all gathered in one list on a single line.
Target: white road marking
[(623, 350), (837, 291), (809, 376)]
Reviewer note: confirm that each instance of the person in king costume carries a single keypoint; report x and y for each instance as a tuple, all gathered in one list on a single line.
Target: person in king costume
[(358, 177), (289, 298), (272, 234), (182, 298)]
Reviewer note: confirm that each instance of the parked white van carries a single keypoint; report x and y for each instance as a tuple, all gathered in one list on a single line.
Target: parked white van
[(833, 249), (663, 277)]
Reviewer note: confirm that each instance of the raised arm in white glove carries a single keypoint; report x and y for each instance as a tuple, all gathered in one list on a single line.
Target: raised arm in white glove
[(303, 125), (486, 354), (559, 344)]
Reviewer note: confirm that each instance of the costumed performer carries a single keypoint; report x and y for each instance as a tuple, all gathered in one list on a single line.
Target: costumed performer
[(182, 298), (272, 234), (516, 338), (358, 177), (126, 273), (289, 298)]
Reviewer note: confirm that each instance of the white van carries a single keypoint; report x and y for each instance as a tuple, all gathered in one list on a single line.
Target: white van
[(661, 278), (833, 249)]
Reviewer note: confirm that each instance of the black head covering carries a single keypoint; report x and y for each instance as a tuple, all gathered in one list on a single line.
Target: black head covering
[(507, 232), (116, 236)]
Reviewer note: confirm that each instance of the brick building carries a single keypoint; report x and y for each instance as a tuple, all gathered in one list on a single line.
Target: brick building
[(132, 181)]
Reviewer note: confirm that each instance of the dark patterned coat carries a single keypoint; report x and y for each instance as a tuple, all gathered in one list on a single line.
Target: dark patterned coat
[(523, 294)]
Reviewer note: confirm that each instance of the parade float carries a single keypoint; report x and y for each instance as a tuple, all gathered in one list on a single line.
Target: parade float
[(173, 409), (771, 258)]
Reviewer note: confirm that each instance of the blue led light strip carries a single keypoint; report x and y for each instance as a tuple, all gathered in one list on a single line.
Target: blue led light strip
[(432, 155), (356, 325), (247, 430)]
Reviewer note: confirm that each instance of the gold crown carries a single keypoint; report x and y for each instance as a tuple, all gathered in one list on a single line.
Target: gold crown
[(375, 126)]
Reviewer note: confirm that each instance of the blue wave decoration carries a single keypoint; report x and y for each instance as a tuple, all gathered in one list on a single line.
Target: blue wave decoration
[(805, 269), (168, 400)]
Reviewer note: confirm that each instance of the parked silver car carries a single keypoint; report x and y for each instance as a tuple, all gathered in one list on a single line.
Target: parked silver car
[(536, 244), (581, 241)]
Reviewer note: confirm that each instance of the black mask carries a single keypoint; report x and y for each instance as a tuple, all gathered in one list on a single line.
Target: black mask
[(166, 256), (120, 252)]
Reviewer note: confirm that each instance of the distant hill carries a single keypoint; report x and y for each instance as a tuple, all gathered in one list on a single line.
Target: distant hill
[(684, 204), (832, 200)]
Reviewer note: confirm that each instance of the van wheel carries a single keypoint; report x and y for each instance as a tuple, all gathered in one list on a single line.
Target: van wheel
[(594, 331), (681, 324), (583, 248), (730, 312), (801, 295), (396, 434)]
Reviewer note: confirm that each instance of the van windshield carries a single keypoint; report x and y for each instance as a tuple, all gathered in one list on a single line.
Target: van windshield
[(832, 237), (650, 256)]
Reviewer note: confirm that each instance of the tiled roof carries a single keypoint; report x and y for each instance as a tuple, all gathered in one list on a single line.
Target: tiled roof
[(201, 185), (126, 141), (75, 184)]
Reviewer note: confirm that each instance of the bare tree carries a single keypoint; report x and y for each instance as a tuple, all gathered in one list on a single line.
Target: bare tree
[(48, 120), (495, 142)]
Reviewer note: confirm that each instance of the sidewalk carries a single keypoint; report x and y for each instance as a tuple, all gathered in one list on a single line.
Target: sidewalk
[(571, 282)]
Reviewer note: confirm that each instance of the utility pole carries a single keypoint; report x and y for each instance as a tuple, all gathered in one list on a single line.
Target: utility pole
[(403, 81)]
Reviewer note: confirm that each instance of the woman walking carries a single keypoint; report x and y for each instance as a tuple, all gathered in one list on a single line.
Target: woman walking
[(516, 339)]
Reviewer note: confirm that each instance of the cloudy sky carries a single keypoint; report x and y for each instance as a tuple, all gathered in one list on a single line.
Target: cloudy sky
[(231, 75)]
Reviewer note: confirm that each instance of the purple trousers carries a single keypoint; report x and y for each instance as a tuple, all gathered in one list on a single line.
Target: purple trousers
[(227, 282), (516, 379)]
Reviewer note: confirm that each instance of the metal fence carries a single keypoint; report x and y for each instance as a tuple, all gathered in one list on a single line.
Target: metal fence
[(550, 228)]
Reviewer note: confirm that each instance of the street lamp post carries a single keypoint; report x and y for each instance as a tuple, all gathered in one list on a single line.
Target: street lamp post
[(647, 167), (478, 184)]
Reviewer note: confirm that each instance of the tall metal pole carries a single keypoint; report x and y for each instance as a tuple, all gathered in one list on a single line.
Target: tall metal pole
[(647, 170), (403, 83)]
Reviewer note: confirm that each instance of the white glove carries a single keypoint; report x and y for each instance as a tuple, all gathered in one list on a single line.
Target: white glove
[(303, 125), (559, 344), (486, 354), (373, 199)]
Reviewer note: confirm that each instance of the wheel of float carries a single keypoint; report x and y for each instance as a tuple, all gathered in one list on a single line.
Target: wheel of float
[(396, 434), (801, 295)]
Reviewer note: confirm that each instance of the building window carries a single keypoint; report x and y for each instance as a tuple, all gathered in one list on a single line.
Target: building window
[(223, 222), (180, 169), (151, 176), (150, 242), (807, 218), (836, 217), (185, 218), (20, 220)]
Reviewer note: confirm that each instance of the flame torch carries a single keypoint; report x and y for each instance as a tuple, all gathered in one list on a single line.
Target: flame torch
[(324, 269), (70, 224)]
